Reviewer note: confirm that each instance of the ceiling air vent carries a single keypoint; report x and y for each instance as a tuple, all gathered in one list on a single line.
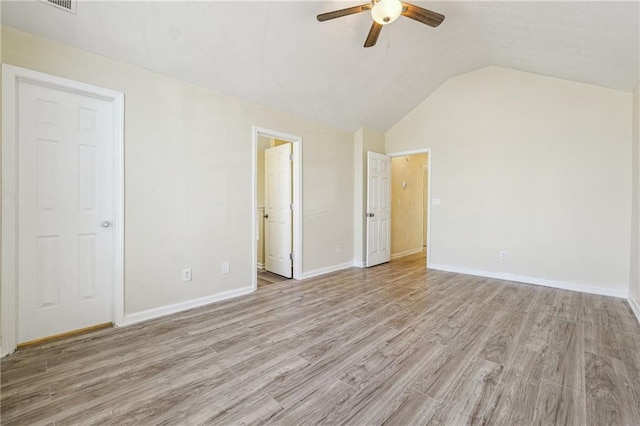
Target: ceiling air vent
[(66, 5)]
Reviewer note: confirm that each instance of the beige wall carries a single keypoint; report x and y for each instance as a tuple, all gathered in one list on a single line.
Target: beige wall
[(634, 279), (407, 204), (188, 177), (364, 140), (533, 165)]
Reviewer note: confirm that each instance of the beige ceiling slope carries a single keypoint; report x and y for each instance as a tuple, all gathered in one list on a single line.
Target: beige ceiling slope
[(277, 54)]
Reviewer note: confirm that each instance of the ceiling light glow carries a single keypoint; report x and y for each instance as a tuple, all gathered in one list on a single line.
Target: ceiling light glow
[(386, 11)]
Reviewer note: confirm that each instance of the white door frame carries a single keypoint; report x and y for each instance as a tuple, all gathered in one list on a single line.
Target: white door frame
[(11, 75), (296, 143), (425, 167), (428, 152)]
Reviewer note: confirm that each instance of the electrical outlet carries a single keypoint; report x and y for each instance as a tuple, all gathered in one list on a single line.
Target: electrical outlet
[(435, 201), (186, 274), (338, 248), (225, 267), (504, 254)]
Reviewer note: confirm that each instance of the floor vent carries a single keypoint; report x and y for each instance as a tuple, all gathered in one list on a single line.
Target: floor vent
[(66, 5)]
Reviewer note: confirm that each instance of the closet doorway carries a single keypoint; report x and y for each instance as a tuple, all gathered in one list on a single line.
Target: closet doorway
[(277, 207), (409, 203)]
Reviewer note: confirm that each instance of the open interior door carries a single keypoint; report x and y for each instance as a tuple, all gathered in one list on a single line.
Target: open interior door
[(378, 208), (278, 220)]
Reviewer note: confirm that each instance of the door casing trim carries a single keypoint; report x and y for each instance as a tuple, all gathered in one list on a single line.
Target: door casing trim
[(296, 142), (429, 207), (11, 75)]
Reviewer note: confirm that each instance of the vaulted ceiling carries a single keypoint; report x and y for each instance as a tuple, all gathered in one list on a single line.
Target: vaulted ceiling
[(277, 54)]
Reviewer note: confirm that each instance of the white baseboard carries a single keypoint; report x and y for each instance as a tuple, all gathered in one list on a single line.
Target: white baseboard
[(406, 253), (583, 288), (162, 311), (635, 307), (361, 264), (260, 265), (327, 270)]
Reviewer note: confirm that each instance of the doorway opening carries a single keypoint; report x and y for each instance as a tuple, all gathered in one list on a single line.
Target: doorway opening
[(277, 207), (410, 195)]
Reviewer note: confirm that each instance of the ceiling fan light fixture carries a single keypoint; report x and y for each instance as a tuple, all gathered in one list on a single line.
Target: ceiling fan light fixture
[(386, 11)]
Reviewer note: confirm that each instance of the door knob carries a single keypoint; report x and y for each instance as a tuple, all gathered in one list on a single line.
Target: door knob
[(106, 224), (266, 216), (370, 215)]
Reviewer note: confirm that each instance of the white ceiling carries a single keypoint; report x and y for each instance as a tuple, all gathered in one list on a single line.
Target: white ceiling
[(277, 54)]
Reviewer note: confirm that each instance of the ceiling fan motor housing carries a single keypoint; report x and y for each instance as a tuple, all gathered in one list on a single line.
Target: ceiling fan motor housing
[(386, 11)]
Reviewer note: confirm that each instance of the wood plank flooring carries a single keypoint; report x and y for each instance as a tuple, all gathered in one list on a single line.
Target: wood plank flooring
[(266, 278), (394, 344)]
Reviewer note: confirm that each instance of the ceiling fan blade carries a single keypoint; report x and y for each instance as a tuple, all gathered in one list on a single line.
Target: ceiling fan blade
[(420, 14), (344, 12), (374, 32)]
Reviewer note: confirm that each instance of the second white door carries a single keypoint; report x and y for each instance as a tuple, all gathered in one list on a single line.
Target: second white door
[(65, 209), (278, 210), (378, 208)]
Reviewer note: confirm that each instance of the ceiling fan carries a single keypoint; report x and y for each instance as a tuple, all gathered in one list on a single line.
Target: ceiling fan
[(385, 12)]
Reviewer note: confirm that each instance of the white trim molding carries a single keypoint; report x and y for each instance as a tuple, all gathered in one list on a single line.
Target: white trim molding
[(407, 253), (327, 270), (564, 285), (429, 206), (410, 152), (357, 264), (296, 142), (635, 307), (11, 76), (162, 311)]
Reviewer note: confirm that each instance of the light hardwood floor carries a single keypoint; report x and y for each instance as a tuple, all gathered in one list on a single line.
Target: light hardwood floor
[(394, 344), (267, 278)]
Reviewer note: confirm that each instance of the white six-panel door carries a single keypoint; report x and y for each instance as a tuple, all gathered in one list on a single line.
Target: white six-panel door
[(378, 208), (278, 231), (65, 209)]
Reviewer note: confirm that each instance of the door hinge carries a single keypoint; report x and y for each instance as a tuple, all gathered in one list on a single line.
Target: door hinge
[(291, 206), (291, 256), (290, 157)]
